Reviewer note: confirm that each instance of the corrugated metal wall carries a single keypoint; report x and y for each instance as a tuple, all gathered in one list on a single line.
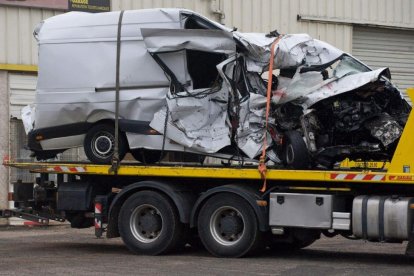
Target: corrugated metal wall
[(200, 6), (387, 12), (267, 15), (17, 45)]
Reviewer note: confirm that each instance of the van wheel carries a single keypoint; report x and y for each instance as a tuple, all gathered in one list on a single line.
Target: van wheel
[(147, 156), (149, 224), (228, 227), (99, 144), (295, 153)]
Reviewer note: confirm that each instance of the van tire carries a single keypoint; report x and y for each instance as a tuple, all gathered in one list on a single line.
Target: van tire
[(295, 154), (147, 156), (99, 144)]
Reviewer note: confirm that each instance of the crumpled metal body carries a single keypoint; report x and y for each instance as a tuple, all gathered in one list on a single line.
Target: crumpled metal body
[(77, 79), (196, 123)]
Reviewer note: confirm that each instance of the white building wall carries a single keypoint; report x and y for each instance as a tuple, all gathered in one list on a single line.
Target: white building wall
[(17, 44)]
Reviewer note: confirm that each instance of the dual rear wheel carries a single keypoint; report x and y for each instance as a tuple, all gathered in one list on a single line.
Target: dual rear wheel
[(227, 226)]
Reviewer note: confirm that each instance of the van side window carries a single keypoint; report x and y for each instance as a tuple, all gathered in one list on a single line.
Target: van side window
[(202, 68), (195, 22)]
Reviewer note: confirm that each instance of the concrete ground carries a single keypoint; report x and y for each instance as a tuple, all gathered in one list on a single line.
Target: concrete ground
[(62, 250)]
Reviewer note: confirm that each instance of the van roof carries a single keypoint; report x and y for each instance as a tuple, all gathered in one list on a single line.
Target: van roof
[(102, 26)]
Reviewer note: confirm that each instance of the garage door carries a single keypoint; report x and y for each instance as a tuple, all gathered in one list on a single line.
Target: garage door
[(387, 48), (22, 92)]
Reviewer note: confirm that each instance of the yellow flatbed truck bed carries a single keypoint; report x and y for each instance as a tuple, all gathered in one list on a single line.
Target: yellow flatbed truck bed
[(215, 172)]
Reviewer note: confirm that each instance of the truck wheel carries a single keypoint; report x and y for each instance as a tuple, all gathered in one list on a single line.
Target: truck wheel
[(78, 220), (305, 237), (292, 246), (300, 238), (228, 227), (295, 153), (149, 224), (99, 144)]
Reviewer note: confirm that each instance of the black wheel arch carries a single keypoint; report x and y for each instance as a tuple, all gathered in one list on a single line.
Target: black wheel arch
[(180, 195), (251, 195), (106, 121)]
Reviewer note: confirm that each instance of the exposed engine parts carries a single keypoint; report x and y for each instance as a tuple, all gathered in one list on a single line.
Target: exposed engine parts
[(364, 124)]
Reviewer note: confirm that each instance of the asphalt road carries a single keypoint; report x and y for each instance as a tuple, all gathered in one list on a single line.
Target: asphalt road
[(61, 250)]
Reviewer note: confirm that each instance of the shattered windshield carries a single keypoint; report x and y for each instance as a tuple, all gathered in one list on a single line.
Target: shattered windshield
[(347, 65)]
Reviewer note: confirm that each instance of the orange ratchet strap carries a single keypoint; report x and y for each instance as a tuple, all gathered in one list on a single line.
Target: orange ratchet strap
[(262, 164)]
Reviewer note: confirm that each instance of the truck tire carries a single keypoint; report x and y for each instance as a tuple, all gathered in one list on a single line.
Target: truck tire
[(99, 144), (149, 224), (292, 246), (228, 227), (78, 220), (295, 153), (300, 238)]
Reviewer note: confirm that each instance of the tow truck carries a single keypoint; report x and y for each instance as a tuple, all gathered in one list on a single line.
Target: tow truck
[(157, 209)]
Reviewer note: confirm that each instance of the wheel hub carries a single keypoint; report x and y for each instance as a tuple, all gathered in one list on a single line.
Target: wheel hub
[(227, 225), (146, 223), (150, 222), (231, 225), (103, 144), (290, 154)]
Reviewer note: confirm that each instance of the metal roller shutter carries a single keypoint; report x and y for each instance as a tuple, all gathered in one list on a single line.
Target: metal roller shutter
[(22, 92), (22, 89), (387, 48)]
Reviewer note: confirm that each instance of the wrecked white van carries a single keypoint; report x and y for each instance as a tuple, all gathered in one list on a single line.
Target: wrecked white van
[(189, 84)]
